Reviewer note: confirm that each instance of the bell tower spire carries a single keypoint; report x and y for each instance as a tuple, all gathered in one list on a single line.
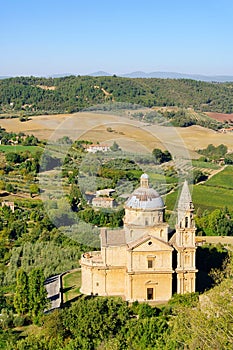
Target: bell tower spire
[(185, 208), (185, 243)]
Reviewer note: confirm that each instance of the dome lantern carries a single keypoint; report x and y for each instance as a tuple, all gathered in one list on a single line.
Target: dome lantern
[(144, 181)]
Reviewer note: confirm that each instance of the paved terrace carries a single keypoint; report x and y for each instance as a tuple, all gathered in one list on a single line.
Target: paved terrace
[(92, 258)]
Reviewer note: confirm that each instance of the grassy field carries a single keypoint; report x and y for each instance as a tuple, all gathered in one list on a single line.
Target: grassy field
[(223, 179), (210, 197), (71, 285), (19, 148), (205, 165), (159, 178), (215, 193)]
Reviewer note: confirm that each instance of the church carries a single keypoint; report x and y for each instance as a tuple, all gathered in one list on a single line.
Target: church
[(141, 261)]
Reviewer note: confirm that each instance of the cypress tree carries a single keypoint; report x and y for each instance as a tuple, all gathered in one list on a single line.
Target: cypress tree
[(37, 293), (21, 297)]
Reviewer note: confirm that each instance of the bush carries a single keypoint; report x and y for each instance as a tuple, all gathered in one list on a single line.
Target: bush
[(6, 320), (19, 321), (10, 188)]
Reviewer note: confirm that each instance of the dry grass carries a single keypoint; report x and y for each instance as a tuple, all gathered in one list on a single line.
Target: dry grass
[(130, 134), (44, 87)]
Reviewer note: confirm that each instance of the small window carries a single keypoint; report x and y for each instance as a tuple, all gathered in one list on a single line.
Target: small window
[(186, 221), (97, 284), (149, 243), (150, 263), (150, 294), (187, 259)]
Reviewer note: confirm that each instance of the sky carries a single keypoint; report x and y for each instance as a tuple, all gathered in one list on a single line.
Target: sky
[(47, 37)]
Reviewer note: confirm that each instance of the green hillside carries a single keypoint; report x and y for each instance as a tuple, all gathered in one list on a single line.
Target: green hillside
[(70, 94)]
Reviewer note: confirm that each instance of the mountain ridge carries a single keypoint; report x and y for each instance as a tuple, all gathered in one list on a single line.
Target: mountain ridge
[(169, 75), (142, 74)]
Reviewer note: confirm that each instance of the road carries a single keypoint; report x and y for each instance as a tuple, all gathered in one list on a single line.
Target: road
[(53, 287)]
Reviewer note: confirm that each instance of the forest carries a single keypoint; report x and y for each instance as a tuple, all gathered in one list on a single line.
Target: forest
[(34, 95)]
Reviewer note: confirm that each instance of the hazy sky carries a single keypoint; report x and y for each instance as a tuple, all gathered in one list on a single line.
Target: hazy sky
[(45, 37)]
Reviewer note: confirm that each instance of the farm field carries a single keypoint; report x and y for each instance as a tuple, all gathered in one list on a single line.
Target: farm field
[(220, 116), (19, 148), (131, 134), (215, 193), (210, 197), (224, 179), (205, 165)]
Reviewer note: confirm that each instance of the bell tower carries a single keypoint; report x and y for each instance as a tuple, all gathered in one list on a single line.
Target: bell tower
[(185, 243)]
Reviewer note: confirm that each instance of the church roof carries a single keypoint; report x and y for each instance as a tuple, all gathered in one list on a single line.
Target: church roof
[(144, 197), (112, 237)]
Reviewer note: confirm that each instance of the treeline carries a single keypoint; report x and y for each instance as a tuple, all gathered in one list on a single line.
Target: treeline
[(214, 153), (215, 223), (71, 94), (9, 138), (181, 117)]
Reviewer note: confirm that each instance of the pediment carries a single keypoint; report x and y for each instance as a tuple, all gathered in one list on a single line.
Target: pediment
[(149, 244)]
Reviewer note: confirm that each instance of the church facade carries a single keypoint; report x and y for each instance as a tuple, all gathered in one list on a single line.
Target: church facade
[(141, 261)]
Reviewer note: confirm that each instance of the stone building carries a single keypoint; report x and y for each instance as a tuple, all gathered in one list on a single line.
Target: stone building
[(97, 148), (103, 202), (141, 261)]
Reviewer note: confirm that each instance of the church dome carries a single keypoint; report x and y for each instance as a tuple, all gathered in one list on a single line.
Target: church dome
[(144, 197)]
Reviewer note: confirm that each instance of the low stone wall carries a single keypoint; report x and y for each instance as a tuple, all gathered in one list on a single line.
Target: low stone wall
[(224, 240)]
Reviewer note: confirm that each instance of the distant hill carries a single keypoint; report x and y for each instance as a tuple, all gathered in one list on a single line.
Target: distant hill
[(61, 75), (36, 95), (99, 74), (141, 74), (170, 75)]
